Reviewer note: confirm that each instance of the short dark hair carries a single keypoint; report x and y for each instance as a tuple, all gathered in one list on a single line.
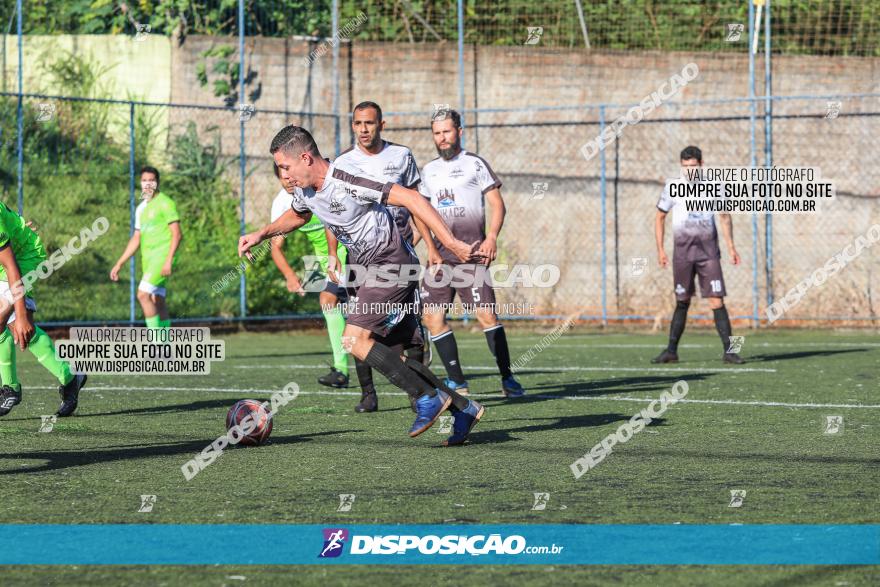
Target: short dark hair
[(691, 152), (150, 169), (368, 104), (294, 138), (446, 114)]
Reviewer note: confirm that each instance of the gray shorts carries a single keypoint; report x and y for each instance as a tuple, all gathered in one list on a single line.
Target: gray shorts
[(709, 272)]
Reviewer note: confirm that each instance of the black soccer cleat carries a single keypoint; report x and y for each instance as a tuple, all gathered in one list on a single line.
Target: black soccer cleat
[(334, 379), (9, 398), (666, 356), (70, 395), (369, 402), (732, 358)]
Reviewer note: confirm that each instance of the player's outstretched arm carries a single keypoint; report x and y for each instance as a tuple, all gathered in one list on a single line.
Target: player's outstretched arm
[(727, 230), (22, 329), (659, 233), (422, 210), (176, 237), (294, 285), (489, 247), (334, 267), (130, 249), (286, 223)]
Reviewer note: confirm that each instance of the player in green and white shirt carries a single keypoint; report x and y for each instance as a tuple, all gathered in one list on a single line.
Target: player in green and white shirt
[(157, 234), (22, 252), (331, 294)]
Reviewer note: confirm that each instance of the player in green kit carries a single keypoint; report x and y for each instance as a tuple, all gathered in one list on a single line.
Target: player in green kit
[(331, 294), (21, 252), (157, 233)]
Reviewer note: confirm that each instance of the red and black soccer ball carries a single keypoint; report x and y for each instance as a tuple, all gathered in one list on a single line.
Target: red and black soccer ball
[(251, 422)]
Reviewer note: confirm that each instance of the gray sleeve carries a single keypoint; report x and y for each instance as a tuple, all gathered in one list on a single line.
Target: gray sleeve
[(298, 205), (665, 203), (486, 177), (411, 177)]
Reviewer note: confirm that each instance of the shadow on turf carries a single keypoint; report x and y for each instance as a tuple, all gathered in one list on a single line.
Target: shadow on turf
[(191, 406), (800, 355), (552, 424), (553, 390), (61, 459)]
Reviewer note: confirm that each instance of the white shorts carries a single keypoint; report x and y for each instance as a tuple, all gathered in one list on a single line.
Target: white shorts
[(6, 293), (151, 289)]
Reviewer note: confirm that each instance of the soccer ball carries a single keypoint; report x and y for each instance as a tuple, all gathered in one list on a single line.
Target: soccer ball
[(248, 422)]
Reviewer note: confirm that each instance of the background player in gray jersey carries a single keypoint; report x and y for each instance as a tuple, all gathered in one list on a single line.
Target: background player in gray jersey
[(382, 161), (695, 253), (457, 184), (354, 209)]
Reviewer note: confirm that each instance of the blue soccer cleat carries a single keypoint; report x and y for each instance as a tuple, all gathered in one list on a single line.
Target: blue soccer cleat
[(428, 409), (463, 422), (510, 387), (459, 388)]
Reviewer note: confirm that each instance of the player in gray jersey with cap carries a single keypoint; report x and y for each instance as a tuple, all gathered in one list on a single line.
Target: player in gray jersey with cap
[(384, 320), (382, 161), (695, 253), (457, 184)]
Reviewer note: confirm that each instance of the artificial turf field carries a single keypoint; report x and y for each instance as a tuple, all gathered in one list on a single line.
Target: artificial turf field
[(758, 427)]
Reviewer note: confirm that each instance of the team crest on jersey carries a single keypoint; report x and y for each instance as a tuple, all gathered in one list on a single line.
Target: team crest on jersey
[(337, 207), (445, 198), (456, 172), (390, 170)]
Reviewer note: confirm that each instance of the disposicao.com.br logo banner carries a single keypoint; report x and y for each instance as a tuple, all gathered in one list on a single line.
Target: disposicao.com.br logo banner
[(474, 544)]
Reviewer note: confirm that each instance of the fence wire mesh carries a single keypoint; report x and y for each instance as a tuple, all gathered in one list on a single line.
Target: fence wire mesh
[(593, 218)]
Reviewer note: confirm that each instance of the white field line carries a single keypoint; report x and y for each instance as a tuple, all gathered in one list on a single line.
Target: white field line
[(587, 345), (724, 402), (553, 368)]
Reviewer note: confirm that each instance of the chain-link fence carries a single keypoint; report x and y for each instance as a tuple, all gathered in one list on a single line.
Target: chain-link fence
[(534, 81)]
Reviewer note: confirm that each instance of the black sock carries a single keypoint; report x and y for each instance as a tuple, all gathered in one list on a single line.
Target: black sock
[(447, 348), (415, 353), (458, 401), (679, 318), (498, 346), (365, 376), (388, 363), (722, 325)]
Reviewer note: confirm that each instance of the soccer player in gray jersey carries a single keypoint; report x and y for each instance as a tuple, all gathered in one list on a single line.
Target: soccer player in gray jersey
[(386, 314), (695, 253), (457, 184), (382, 161)]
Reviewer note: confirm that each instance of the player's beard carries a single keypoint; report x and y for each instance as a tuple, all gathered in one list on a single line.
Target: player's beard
[(450, 151)]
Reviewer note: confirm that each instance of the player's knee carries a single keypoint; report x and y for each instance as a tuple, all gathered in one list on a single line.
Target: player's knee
[(144, 297), (716, 303), (327, 301), (487, 319), (435, 323)]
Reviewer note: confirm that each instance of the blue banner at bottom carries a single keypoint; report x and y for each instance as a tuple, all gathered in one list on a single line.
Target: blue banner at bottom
[(257, 544)]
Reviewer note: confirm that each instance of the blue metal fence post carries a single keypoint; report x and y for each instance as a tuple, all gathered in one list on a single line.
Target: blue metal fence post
[(461, 105), (603, 198), (337, 124), (754, 161), (20, 112), (131, 209), (242, 298), (768, 151)]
